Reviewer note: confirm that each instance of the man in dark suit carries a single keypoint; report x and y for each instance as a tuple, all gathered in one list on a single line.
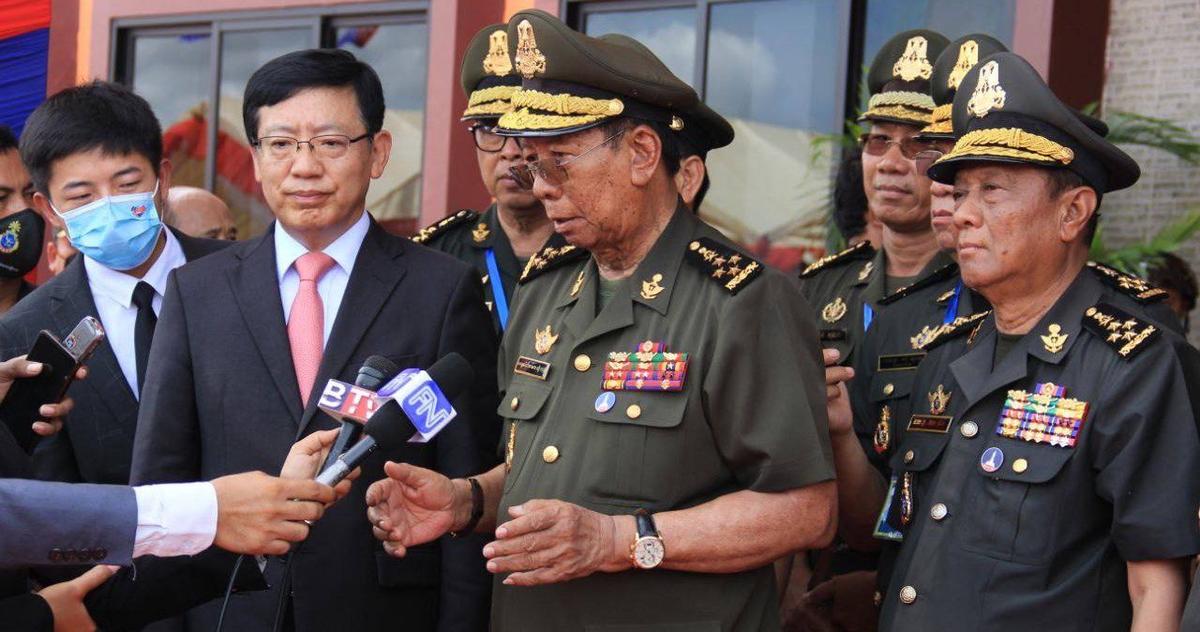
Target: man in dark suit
[(94, 153), (249, 336)]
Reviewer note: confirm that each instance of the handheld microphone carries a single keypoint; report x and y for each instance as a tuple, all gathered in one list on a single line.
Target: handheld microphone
[(375, 372), (420, 403)]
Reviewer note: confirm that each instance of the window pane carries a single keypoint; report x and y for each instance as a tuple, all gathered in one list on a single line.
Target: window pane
[(670, 33), (171, 72), (243, 52), (773, 71), (398, 53), (952, 18)]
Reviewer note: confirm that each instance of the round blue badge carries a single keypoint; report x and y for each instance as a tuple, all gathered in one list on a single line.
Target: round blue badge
[(991, 460), (605, 401)]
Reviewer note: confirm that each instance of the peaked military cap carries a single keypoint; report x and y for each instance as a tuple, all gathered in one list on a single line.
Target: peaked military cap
[(899, 78), (1006, 113), (948, 72), (488, 77), (572, 82)]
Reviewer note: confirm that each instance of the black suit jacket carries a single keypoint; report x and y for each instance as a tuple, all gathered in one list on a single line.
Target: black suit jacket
[(221, 397), (96, 442)]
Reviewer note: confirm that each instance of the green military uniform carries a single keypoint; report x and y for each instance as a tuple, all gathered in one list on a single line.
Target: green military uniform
[(695, 379), (846, 288), (1032, 468)]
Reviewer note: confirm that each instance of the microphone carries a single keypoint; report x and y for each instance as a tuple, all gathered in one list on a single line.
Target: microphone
[(375, 372), (421, 400)]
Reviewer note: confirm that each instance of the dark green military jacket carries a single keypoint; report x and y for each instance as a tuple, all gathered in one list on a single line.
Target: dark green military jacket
[(467, 236), (701, 377), (845, 289), (1021, 491)]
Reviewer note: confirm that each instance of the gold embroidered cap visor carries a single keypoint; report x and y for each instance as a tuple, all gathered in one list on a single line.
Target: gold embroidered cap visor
[(899, 78), (572, 82), (952, 65), (1004, 112), (488, 77)]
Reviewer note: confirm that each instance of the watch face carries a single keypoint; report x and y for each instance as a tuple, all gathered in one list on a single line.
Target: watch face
[(649, 552)]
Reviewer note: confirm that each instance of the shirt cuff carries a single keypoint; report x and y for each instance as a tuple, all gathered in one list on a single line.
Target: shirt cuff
[(175, 519)]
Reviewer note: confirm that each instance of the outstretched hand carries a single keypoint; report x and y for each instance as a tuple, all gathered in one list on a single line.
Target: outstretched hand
[(411, 506)]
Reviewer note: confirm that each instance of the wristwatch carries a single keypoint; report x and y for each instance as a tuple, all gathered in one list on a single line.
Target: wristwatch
[(647, 551)]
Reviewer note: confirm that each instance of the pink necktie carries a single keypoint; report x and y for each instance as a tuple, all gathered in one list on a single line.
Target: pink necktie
[(306, 323)]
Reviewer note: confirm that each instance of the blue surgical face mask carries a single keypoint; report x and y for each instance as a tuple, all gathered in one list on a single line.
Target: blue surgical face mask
[(118, 232)]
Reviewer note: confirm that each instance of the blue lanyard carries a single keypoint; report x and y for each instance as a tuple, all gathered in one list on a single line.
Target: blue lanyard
[(952, 308), (501, 301), (868, 316)]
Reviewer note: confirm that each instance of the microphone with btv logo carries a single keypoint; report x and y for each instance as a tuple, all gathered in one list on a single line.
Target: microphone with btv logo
[(420, 401), (375, 372)]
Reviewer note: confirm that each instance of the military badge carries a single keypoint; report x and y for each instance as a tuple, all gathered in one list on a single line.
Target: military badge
[(924, 336), (543, 340), (914, 63), (939, 399), (530, 61), (1137, 288), (605, 401), (866, 271), (907, 483), (1044, 416), (651, 289), (648, 368), (834, 310), (1053, 342), (728, 267), (1123, 332), (968, 56), (480, 233), (991, 459), (578, 284), (10, 239), (883, 430), (497, 61), (988, 94)]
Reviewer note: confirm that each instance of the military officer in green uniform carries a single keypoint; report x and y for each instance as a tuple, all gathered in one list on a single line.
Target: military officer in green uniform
[(500, 240), (1030, 483), (845, 288), (663, 412)]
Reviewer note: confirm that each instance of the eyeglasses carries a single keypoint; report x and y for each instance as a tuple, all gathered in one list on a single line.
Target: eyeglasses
[(925, 159), (550, 170), (328, 146), (879, 144), (486, 138)]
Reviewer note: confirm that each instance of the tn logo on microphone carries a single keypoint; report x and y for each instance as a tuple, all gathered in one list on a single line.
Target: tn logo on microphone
[(427, 408)]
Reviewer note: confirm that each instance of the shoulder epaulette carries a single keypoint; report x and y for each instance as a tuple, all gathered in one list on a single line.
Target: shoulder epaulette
[(437, 228), (946, 296), (937, 276), (1136, 288), (861, 250), (951, 330), (549, 258), (1122, 331), (733, 270)]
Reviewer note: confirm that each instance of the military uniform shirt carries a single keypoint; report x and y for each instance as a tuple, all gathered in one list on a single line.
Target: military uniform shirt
[(749, 414), (1014, 525)]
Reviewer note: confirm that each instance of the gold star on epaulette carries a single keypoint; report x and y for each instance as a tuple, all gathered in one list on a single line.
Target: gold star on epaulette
[(433, 230), (731, 269), (861, 250), (1134, 287), (1126, 334), (958, 327), (549, 258)]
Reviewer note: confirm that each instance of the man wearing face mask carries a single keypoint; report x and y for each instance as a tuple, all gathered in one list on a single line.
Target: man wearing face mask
[(21, 228), (94, 153)]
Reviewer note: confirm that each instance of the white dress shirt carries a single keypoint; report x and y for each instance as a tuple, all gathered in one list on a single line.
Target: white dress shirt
[(332, 286), (175, 519), (112, 291)]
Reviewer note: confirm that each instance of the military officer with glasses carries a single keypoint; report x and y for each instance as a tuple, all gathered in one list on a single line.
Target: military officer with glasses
[(663, 414), (499, 241)]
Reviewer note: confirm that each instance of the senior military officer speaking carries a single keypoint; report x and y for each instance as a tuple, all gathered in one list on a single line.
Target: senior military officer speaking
[(663, 408), (1036, 484)]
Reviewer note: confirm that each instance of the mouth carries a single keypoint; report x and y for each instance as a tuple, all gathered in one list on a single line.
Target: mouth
[(968, 247), (892, 190), (308, 196)]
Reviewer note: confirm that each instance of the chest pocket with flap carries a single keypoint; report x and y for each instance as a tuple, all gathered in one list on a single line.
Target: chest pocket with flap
[(636, 450)]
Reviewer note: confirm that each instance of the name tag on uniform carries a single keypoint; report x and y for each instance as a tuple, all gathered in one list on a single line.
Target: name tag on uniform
[(833, 335), (531, 367), (939, 424), (900, 362)]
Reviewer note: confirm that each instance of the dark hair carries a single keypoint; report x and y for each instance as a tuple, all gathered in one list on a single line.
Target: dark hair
[(8, 141), (1170, 272), (849, 197), (672, 146), (281, 78), (99, 115)]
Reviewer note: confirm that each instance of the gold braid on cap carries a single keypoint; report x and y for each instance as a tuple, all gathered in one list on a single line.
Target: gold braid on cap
[(942, 123), (566, 104), (910, 99), (1010, 142), (523, 119), (494, 93), (898, 112)]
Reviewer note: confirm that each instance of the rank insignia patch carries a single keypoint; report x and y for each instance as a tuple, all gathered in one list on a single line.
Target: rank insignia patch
[(648, 368), (1043, 416), (1126, 334), (733, 270)]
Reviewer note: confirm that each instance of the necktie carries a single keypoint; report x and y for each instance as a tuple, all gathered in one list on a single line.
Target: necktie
[(143, 328), (306, 322)]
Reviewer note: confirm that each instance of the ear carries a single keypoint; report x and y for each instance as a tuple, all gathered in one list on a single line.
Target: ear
[(255, 156), (1075, 209), (381, 149), (689, 178), (647, 154), (42, 204), (165, 171)]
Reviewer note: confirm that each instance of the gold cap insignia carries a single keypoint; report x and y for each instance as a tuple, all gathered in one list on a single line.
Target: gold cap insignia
[(530, 61), (497, 62), (988, 94), (914, 62), (968, 56), (939, 400), (676, 124), (834, 310), (651, 289), (543, 340), (1054, 341), (480, 233)]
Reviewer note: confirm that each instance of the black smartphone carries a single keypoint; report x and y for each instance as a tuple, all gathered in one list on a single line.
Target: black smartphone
[(60, 360)]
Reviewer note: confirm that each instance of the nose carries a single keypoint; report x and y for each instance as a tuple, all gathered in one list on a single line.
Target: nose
[(305, 164), (966, 212), (893, 161), (510, 150), (543, 190)]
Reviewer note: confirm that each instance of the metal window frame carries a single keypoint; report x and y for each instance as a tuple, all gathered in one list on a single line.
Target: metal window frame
[(322, 20)]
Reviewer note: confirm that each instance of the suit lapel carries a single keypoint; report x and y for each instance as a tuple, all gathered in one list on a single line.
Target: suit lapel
[(372, 281), (256, 286)]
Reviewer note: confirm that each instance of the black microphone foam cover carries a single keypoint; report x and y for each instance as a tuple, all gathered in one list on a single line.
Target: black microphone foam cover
[(389, 426), (375, 372), (452, 374)]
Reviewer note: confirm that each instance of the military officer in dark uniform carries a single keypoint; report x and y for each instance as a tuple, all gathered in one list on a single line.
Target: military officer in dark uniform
[(1028, 484), (663, 413), (845, 288), (499, 241)]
